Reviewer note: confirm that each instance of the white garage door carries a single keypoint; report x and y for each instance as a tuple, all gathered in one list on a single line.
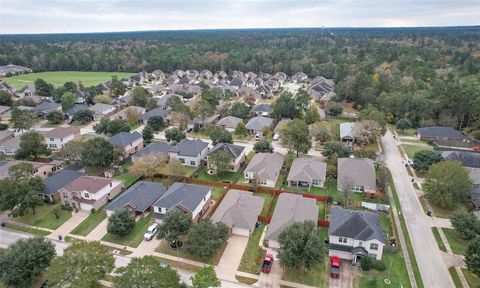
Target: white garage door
[(86, 207), (341, 254), (240, 231)]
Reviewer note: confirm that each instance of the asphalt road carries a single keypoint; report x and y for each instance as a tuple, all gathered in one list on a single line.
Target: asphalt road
[(432, 268)]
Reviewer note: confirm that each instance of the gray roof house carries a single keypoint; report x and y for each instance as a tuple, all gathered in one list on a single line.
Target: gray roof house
[(256, 124), (152, 148), (264, 168), (190, 152), (154, 112), (128, 142), (122, 114), (56, 181), (46, 107), (468, 159), (290, 208), (239, 210), (358, 174), (355, 234), (262, 109), (229, 123), (347, 132), (189, 198), (307, 173), (440, 132), (101, 110), (235, 152), (138, 198)]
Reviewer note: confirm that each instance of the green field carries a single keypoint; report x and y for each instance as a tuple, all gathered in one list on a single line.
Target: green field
[(59, 78)]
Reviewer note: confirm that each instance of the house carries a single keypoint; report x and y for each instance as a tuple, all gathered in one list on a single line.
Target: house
[(81, 96), (280, 76), (129, 143), (440, 132), (122, 114), (280, 126), (347, 132), (474, 174), (299, 77), (46, 107), (189, 152), (290, 208), (239, 210), (263, 92), (468, 159), (236, 83), (12, 69), (101, 110), (264, 169), (27, 90), (156, 147), (201, 123), (138, 199), (358, 175), (58, 137), (6, 135), (56, 181), (236, 153), (90, 192), (39, 169), (229, 123), (10, 146), (256, 124), (320, 87), (158, 75), (307, 173), (5, 113), (355, 234), (154, 112), (188, 198), (262, 109), (206, 75), (70, 113)]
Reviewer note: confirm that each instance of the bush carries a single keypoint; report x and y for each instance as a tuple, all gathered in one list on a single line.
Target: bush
[(121, 222), (378, 265), (92, 210), (366, 263), (404, 124)]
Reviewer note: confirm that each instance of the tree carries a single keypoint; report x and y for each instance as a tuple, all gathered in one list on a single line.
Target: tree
[(300, 245), (285, 106), (43, 88), (212, 95), (321, 132), (98, 152), (82, 264), (149, 165), (203, 109), (404, 124), (205, 237), (5, 98), (22, 119), (220, 135), (139, 97), (32, 145), (74, 152), (121, 222), (70, 86), (147, 133), (448, 184), (466, 225), (174, 135), (156, 123), (472, 259), (55, 117), (68, 100), (241, 130), (175, 168), (83, 116), (302, 99), (423, 159), (174, 224), (173, 101), (132, 116), (296, 136), (205, 278), (372, 113), (111, 127), (240, 110), (181, 118), (146, 272), (24, 260), (367, 131), (263, 146), (334, 150), (219, 162), (335, 110), (117, 88), (311, 115)]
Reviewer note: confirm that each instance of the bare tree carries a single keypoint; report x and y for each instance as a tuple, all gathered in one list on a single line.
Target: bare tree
[(347, 190)]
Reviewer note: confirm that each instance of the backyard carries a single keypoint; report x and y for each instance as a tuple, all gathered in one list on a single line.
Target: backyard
[(135, 237), (267, 198), (253, 256), (45, 216), (217, 193), (90, 223), (128, 179), (224, 177)]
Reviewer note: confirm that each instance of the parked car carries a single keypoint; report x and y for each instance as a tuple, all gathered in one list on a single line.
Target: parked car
[(275, 137), (334, 267), (257, 136), (476, 148), (151, 231), (267, 263)]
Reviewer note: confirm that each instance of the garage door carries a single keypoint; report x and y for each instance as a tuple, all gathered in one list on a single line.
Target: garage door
[(341, 254), (240, 232)]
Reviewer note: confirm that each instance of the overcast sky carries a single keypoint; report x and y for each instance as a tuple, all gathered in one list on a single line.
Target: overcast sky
[(51, 16)]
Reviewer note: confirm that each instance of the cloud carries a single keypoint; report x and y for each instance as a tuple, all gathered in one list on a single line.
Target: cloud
[(55, 16)]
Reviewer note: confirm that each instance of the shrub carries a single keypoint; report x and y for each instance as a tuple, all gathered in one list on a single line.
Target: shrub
[(404, 124), (121, 222), (366, 263)]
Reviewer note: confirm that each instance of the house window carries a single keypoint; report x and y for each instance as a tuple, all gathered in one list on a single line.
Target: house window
[(192, 163), (61, 139), (110, 184), (342, 239), (373, 246), (246, 175), (263, 182), (360, 243), (52, 145), (181, 160), (86, 195), (357, 188), (372, 255), (51, 139), (315, 182), (65, 195)]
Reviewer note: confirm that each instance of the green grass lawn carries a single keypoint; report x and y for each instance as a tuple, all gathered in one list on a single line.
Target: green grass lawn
[(440, 243), (445, 213), (182, 252), (135, 237), (90, 223), (282, 178), (227, 176), (458, 245), (267, 198), (253, 256), (128, 179), (60, 77), (45, 217), (455, 277), (217, 192), (398, 273), (34, 231), (412, 149), (472, 279), (270, 213)]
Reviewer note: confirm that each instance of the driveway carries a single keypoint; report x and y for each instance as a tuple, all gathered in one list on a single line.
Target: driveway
[(347, 273), (272, 279), (99, 231), (432, 269), (70, 224), (231, 257)]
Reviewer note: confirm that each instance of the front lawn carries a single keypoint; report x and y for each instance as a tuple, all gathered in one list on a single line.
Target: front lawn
[(224, 177), (472, 279), (445, 213), (135, 237), (34, 231), (253, 256), (412, 149), (45, 216), (440, 243), (182, 253), (458, 245), (92, 221)]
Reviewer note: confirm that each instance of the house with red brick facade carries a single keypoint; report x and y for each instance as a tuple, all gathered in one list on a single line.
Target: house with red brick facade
[(128, 143)]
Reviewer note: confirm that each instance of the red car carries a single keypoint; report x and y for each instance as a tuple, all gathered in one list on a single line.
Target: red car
[(334, 267), (267, 263), (476, 148)]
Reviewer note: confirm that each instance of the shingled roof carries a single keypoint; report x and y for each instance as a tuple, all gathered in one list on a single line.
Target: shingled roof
[(125, 138), (140, 196), (358, 225), (232, 150)]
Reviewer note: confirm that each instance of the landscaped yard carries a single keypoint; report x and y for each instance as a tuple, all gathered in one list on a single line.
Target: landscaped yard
[(253, 256), (440, 243), (182, 253), (45, 216), (90, 223), (34, 231), (458, 245), (135, 237), (412, 149), (227, 176)]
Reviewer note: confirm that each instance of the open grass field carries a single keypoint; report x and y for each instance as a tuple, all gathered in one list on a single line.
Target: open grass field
[(60, 77), (45, 216)]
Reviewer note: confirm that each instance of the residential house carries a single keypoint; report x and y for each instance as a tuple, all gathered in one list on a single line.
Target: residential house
[(299, 77), (27, 90), (280, 126), (81, 96), (12, 69), (56, 181), (128, 143), (10, 146), (46, 107), (290, 208), (154, 112), (440, 132), (264, 169), (263, 92), (348, 132), (122, 114), (39, 169), (152, 148), (321, 87), (280, 76), (262, 109), (236, 153), (468, 159), (180, 73), (101, 110), (90, 192), (58, 137), (206, 75), (239, 210), (272, 84), (158, 75), (258, 123), (355, 234), (307, 173), (358, 175), (6, 135), (70, 113), (236, 83), (5, 113), (138, 199), (188, 198), (229, 123), (190, 152), (202, 123)]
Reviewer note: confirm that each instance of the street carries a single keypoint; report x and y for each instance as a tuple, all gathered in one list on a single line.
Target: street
[(432, 268)]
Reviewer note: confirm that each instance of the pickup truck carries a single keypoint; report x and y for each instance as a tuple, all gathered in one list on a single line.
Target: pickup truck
[(267, 263), (334, 267)]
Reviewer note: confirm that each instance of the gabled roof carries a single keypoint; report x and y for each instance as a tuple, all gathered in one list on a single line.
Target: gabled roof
[(76, 108), (59, 180), (139, 196), (99, 108), (357, 171), (440, 132), (281, 124), (154, 147), (307, 169), (262, 108), (229, 122), (239, 209), (90, 184), (61, 132), (266, 165), (347, 130), (187, 196), (291, 208), (47, 105), (188, 147), (258, 123), (468, 159), (237, 81), (232, 150), (154, 112), (125, 138), (358, 225)]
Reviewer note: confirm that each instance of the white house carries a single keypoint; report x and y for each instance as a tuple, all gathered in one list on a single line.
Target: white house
[(58, 137), (189, 152)]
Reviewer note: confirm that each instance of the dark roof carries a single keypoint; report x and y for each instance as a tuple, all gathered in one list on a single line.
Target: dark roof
[(187, 196), (468, 159), (154, 147), (232, 150), (46, 105), (139, 196), (188, 147), (358, 225), (154, 112), (76, 108), (125, 138), (440, 132), (262, 108), (59, 180)]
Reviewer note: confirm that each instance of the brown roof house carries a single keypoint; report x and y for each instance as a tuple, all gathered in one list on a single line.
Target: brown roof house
[(39, 169), (58, 137), (90, 192), (358, 175)]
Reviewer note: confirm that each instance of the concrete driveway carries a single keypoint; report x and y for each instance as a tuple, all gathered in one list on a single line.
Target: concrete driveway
[(70, 224), (231, 257), (348, 272), (272, 279)]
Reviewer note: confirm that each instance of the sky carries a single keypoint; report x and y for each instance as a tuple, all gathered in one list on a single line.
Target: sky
[(72, 16)]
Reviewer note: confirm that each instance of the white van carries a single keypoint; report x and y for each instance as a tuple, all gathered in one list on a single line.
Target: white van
[(151, 231)]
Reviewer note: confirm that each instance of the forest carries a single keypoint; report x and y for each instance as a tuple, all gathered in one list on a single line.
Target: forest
[(425, 75)]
